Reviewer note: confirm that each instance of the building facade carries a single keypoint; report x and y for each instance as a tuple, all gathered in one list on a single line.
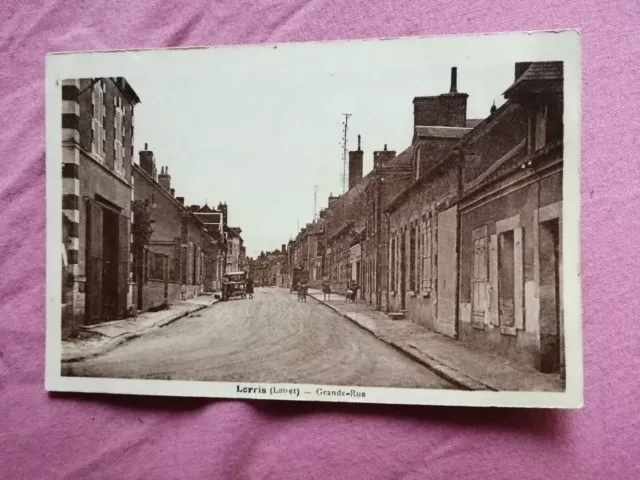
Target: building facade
[(97, 153), (171, 265), (235, 250), (511, 224)]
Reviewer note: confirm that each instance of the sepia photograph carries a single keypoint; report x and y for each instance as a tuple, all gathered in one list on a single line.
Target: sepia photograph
[(375, 221)]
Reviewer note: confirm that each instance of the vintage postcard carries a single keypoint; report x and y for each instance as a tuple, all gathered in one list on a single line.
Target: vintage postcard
[(374, 221)]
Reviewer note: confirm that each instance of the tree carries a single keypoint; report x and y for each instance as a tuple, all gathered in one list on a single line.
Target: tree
[(142, 229)]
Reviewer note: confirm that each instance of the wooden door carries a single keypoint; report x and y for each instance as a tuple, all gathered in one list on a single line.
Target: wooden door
[(93, 307)]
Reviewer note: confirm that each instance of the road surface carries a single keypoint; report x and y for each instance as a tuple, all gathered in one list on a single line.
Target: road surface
[(272, 338)]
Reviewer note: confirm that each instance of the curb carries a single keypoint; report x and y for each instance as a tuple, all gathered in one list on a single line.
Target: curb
[(449, 374), (127, 337)]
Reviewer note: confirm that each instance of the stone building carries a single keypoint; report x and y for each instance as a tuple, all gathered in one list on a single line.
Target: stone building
[(97, 157), (171, 267), (344, 222), (390, 175), (423, 219), (215, 251), (511, 223), (235, 249)]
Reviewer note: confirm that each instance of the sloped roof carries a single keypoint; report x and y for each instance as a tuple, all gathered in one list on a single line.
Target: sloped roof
[(348, 208), (538, 71), (441, 132), (473, 122)]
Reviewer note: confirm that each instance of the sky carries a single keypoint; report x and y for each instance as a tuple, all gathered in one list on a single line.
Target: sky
[(259, 127)]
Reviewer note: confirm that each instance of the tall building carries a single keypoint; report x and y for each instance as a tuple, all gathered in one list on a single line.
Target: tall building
[(97, 154)]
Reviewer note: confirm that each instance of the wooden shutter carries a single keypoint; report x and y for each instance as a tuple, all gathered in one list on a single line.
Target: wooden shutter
[(123, 264), (427, 276), (479, 277), (95, 119), (494, 318), (518, 278), (93, 307)]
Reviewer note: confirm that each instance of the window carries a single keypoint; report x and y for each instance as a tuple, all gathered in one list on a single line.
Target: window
[(506, 279), (427, 254), (412, 258), (118, 136), (479, 276), (98, 112)]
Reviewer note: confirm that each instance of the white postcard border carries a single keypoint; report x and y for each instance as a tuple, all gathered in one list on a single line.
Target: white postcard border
[(536, 46)]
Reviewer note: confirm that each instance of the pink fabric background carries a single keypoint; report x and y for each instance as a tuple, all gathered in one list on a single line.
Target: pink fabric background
[(82, 437)]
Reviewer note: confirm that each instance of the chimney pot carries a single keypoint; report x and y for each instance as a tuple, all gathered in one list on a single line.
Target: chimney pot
[(454, 80), (164, 179), (173, 191), (180, 199), (146, 146)]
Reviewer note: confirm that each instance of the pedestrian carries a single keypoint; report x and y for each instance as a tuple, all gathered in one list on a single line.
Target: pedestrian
[(326, 288), (250, 287), (302, 290), (352, 292)]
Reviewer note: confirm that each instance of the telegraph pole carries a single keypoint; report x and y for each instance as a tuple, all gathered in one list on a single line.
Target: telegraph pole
[(344, 151), (315, 202)]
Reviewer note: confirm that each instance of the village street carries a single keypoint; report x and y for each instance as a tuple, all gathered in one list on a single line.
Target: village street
[(272, 338)]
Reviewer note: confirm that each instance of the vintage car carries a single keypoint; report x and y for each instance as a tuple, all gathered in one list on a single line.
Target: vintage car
[(234, 284)]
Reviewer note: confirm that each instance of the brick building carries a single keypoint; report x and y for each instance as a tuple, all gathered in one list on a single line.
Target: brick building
[(390, 174), (97, 157), (423, 218), (172, 265)]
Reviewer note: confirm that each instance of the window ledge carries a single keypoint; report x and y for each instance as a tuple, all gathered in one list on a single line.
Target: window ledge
[(478, 326), (426, 294), (508, 331)]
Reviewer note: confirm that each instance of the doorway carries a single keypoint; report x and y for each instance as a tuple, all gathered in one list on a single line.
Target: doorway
[(110, 264), (551, 338)]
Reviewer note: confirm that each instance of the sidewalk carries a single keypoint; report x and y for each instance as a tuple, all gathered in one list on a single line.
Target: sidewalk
[(101, 338), (454, 360)]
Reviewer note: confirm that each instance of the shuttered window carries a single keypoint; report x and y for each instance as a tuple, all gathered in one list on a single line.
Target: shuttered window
[(98, 112), (427, 255), (480, 276), (118, 137)]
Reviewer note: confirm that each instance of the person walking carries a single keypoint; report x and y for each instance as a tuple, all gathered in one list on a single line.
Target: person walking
[(326, 288), (250, 287), (302, 290)]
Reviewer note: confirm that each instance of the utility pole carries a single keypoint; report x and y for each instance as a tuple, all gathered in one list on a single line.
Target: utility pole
[(315, 202), (344, 150)]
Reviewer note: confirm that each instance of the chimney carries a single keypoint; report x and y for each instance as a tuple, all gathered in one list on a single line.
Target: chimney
[(521, 67), (284, 248), (454, 80), (380, 158), (180, 199), (355, 166), (173, 192), (164, 179), (147, 160), (332, 200), (445, 110)]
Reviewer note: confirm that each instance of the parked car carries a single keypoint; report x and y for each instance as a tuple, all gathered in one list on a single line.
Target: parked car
[(234, 284)]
